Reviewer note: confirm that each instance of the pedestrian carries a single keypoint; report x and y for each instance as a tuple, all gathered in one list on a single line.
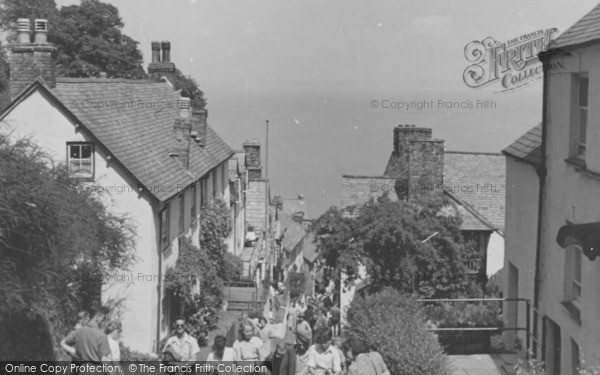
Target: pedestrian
[(321, 321), (283, 360), (326, 358), (304, 357), (248, 347), (302, 327), (88, 343), (265, 333), (337, 343), (334, 320), (361, 360), (181, 346), (113, 332), (220, 352)]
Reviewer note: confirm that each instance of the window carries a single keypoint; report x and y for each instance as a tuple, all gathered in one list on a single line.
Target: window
[(580, 116), (164, 227), (193, 205), (80, 160), (181, 212), (573, 274)]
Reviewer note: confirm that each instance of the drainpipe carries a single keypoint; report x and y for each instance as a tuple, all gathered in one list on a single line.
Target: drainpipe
[(541, 172), (159, 310)]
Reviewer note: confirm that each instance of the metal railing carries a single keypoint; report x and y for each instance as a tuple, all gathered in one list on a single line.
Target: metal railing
[(526, 329)]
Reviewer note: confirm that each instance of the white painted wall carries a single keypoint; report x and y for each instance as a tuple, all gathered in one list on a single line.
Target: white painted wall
[(495, 254), (522, 191), (571, 195)]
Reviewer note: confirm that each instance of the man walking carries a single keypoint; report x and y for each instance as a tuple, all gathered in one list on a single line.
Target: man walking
[(88, 343)]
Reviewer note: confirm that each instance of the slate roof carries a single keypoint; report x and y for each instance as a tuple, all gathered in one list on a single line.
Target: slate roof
[(528, 147), (291, 206), (292, 231), (310, 249), (140, 138), (358, 190), (585, 30), (478, 182)]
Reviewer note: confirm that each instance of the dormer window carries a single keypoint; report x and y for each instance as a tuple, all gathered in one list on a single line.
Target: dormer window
[(80, 160)]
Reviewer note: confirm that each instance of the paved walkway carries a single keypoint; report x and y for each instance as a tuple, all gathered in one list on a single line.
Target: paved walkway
[(482, 364)]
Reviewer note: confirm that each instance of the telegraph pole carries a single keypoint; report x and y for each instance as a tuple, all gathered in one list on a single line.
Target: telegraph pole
[(267, 237)]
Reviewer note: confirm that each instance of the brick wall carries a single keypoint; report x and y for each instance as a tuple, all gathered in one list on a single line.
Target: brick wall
[(255, 204), (29, 62), (252, 150), (399, 159), (425, 166)]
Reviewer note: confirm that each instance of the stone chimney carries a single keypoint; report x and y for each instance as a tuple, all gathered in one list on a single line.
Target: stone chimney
[(199, 117), (181, 141), (252, 150), (417, 160), (161, 65), (29, 61)]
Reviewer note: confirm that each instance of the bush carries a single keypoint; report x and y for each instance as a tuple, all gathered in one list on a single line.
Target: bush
[(459, 315), (393, 324), (135, 356), (233, 267)]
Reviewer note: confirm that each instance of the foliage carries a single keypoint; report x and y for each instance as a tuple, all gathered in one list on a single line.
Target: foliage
[(232, 268), (461, 315), (195, 280), (392, 323), (529, 367), (189, 88), (130, 355), (52, 236), (388, 237), (297, 283), (216, 228)]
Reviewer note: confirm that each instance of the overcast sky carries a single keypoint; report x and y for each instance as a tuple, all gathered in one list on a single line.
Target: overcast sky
[(313, 67)]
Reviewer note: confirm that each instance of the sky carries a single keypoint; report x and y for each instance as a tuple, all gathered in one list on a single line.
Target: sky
[(325, 75)]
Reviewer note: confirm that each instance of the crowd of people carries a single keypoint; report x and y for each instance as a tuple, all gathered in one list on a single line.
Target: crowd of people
[(297, 338)]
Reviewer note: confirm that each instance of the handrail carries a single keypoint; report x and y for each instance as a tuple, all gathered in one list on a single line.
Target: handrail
[(527, 328)]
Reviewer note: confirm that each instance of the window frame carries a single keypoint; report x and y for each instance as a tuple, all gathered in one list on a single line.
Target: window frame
[(573, 273), (165, 241), (579, 115), (92, 158)]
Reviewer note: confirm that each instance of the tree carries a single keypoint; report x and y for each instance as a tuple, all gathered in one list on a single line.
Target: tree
[(57, 244), (89, 40), (388, 239)]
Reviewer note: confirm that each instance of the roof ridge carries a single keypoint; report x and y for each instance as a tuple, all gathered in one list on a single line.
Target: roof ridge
[(107, 80), (474, 153)]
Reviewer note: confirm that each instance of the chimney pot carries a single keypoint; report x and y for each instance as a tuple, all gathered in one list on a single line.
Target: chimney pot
[(155, 52), (165, 45), (41, 31), (23, 29)]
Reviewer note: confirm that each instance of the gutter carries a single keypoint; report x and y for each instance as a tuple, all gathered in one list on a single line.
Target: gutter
[(541, 172)]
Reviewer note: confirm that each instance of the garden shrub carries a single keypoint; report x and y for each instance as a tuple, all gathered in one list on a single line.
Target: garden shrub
[(393, 324), (458, 315)]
